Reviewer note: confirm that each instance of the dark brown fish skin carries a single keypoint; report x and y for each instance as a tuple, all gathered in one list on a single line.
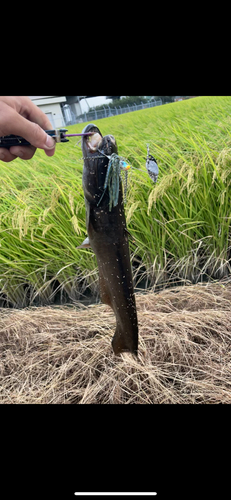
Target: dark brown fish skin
[(109, 240)]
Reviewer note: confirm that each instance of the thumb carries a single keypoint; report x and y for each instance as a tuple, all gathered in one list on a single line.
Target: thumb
[(30, 131)]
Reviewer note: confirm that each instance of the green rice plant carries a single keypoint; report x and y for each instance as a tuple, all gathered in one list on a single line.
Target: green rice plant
[(180, 227)]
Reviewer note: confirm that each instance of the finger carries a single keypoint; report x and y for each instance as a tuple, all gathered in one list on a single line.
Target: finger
[(26, 108), (16, 124), (35, 114), (26, 152), (49, 152), (6, 156)]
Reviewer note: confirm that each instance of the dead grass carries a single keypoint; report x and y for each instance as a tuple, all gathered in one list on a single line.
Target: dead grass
[(64, 355)]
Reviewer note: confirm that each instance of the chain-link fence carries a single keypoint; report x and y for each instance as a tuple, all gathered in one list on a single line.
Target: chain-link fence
[(109, 111), (69, 118)]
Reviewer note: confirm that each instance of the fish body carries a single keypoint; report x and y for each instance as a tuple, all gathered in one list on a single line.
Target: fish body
[(108, 238)]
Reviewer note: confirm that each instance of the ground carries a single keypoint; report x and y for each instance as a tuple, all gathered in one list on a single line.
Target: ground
[(64, 354)]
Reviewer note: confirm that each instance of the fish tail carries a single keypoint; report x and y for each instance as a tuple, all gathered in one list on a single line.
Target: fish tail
[(122, 342)]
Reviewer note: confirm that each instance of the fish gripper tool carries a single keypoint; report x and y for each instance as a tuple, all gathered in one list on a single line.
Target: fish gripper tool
[(58, 135)]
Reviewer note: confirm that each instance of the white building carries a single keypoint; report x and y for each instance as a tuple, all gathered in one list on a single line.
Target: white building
[(61, 110)]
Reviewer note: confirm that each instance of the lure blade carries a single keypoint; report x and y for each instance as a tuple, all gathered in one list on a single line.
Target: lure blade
[(151, 166)]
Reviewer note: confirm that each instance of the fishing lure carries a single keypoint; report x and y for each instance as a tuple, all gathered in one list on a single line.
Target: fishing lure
[(112, 180), (152, 167)]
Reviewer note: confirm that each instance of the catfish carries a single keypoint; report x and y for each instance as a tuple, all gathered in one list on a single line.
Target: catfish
[(108, 238)]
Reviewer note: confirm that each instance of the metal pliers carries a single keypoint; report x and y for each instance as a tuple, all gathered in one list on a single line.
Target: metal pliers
[(16, 140), (58, 135)]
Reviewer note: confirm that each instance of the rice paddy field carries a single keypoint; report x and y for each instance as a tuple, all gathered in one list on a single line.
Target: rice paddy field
[(181, 236)]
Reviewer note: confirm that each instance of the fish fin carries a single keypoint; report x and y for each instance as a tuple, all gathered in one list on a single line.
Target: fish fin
[(130, 235), (121, 342), (85, 244)]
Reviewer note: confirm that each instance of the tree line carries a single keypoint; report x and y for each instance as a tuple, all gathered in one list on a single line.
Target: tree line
[(135, 99)]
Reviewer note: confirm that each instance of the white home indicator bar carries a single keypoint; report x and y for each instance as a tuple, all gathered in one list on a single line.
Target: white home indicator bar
[(112, 493)]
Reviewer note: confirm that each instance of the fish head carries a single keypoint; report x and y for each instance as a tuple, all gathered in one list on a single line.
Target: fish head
[(96, 151), (95, 142), (91, 143), (108, 145)]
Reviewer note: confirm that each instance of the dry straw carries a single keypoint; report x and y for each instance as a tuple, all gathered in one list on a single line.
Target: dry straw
[(64, 355)]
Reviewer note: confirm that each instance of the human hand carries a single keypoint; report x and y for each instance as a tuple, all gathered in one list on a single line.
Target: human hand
[(20, 116)]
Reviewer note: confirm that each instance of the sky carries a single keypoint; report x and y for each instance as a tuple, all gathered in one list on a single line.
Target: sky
[(94, 101)]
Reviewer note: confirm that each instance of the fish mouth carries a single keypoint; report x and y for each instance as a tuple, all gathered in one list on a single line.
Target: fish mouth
[(91, 143)]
